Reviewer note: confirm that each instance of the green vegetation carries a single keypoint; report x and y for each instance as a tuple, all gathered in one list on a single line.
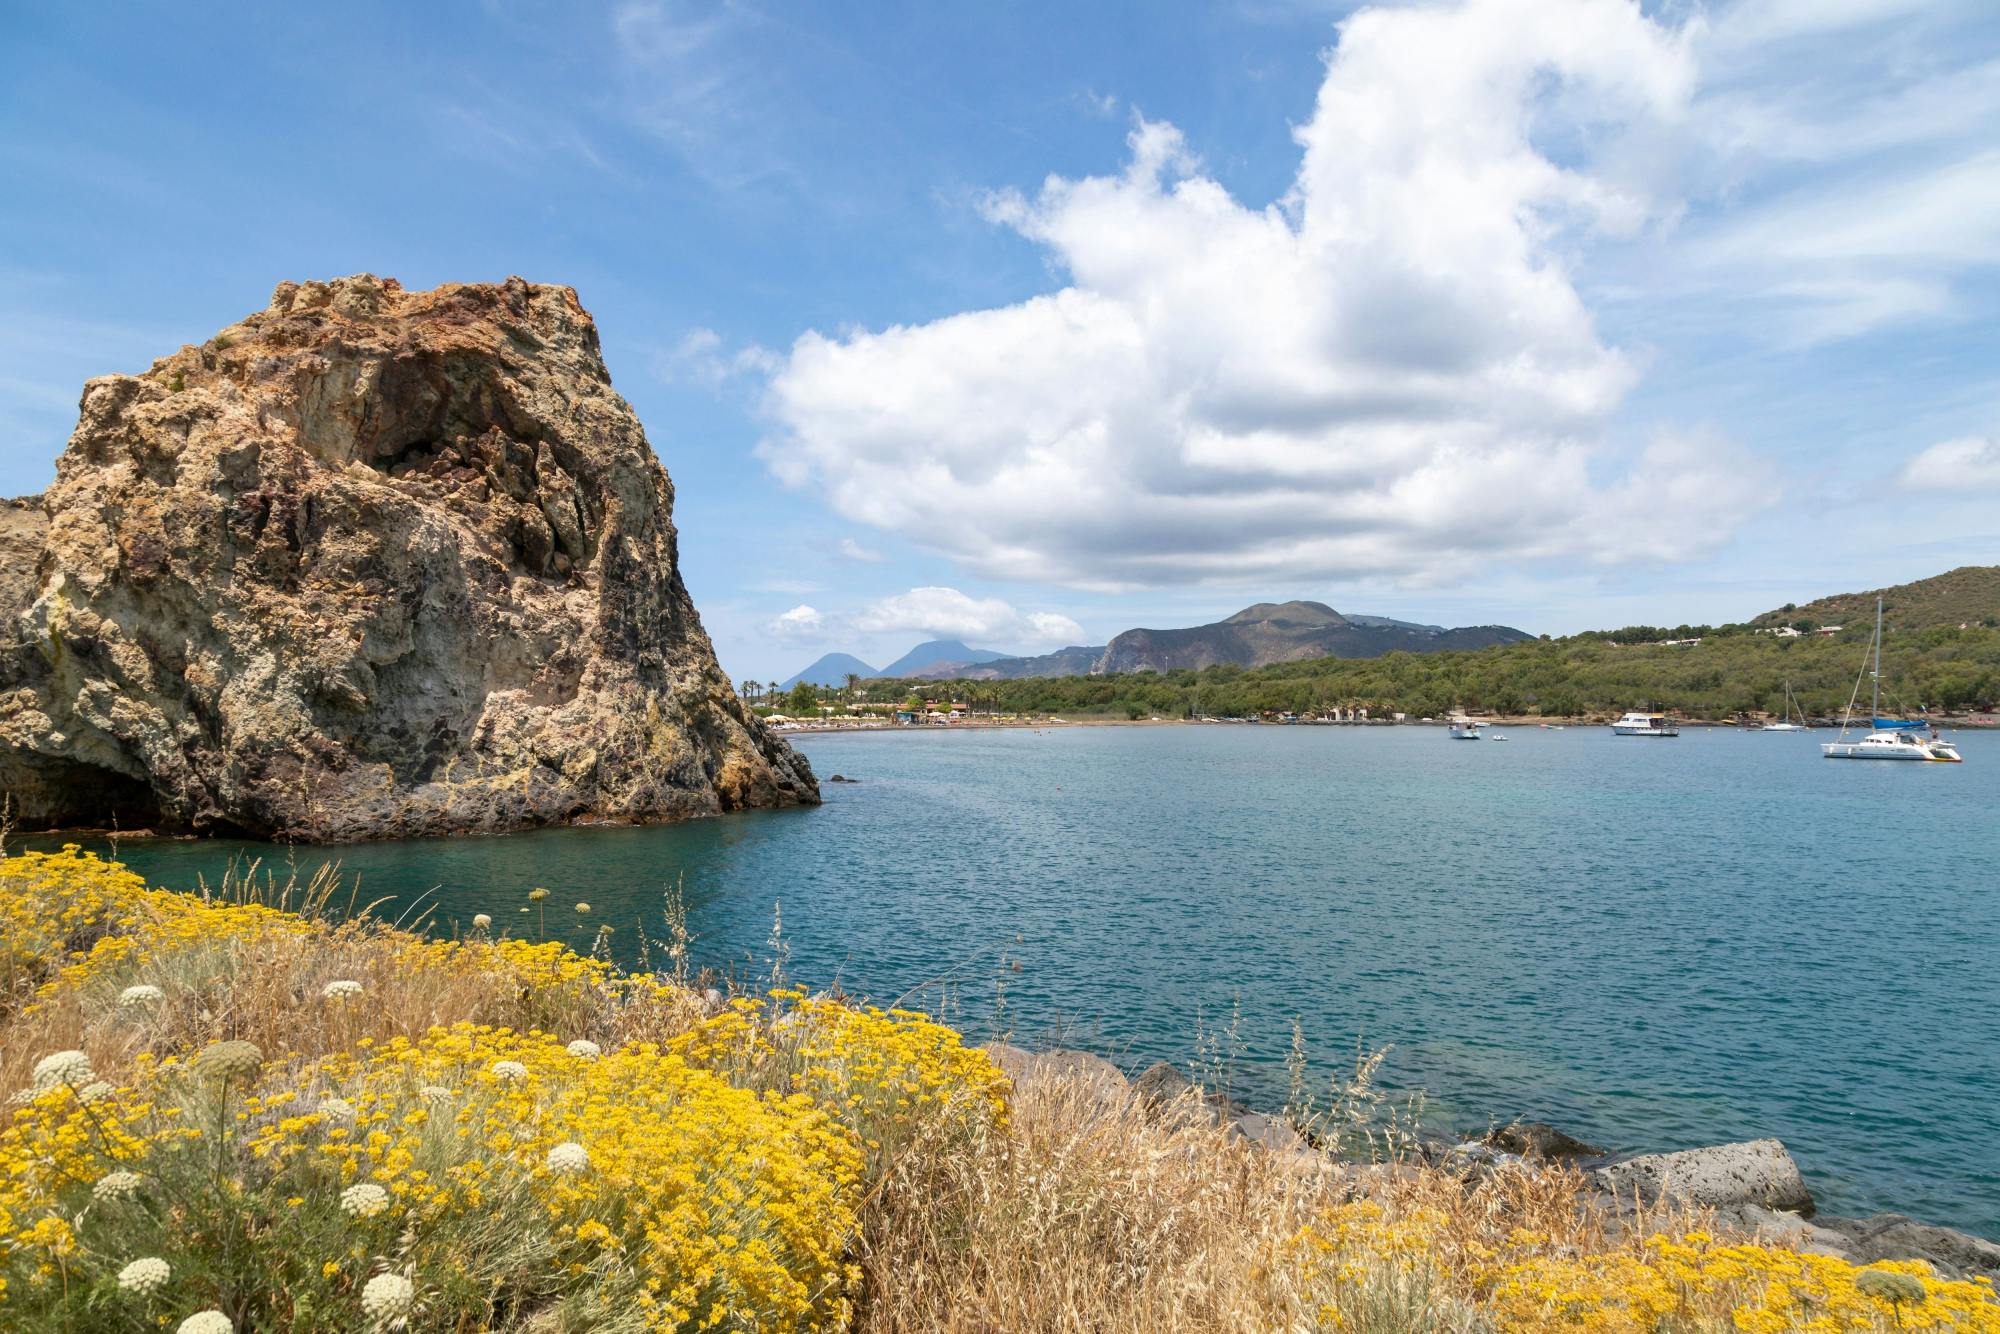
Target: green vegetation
[(1969, 595), (1941, 654), (1733, 671)]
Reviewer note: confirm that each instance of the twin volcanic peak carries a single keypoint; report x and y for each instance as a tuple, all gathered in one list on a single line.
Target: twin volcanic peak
[(369, 563), (1288, 632)]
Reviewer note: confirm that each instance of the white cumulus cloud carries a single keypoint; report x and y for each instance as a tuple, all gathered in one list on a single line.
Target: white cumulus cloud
[(1969, 463), (1387, 373), (949, 614), (801, 622)]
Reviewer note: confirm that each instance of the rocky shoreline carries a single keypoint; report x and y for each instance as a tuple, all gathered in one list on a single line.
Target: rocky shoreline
[(1753, 1188)]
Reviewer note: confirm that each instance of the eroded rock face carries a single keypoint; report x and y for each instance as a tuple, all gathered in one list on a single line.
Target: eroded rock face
[(370, 563)]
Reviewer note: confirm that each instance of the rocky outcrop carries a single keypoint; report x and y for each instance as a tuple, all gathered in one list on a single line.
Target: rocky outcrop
[(1898, 1237), (1098, 1079), (1758, 1172), (23, 527), (369, 563), (1539, 1139)]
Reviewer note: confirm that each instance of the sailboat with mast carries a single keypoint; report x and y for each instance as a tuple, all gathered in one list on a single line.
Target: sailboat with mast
[(1890, 738), (1786, 724)]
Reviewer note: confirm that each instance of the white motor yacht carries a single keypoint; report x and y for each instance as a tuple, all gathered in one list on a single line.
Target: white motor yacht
[(1645, 724)]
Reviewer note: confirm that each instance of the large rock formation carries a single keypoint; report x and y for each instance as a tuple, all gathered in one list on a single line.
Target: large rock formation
[(369, 563)]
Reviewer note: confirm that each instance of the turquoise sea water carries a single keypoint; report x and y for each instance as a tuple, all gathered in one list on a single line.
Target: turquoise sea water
[(1650, 943)]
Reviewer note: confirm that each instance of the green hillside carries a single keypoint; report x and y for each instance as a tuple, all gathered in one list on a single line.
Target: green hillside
[(1929, 663), (1969, 595), (1728, 674)]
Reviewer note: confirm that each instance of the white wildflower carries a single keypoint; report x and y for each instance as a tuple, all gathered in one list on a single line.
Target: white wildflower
[(207, 1322), (117, 1186), (91, 1092), (481, 920), (63, 1067), (583, 908), (336, 1109), (363, 1201), (436, 1093), (584, 1049), (146, 1276), (388, 1297), (145, 993), (509, 1070), (340, 989), (568, 1158)]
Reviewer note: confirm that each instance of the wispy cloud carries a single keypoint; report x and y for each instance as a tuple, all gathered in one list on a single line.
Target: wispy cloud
[(853, 550), (701, 357), (1971, 463), (944, 613)]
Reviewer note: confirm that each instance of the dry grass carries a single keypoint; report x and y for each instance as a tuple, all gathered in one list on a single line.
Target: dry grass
[(257, 969), (1084, 1214)]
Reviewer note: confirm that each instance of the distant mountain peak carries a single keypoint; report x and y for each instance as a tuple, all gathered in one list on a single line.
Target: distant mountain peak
[(1260, 634), (936, 652), (830, 669), (1296, 612)]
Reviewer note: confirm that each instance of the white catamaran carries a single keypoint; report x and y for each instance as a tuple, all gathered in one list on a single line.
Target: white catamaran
[(1891, 738)]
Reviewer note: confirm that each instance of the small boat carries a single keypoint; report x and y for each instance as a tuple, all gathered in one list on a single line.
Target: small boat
[(1463, 728), (1785, 724), (1645, 724), (1888, 738)]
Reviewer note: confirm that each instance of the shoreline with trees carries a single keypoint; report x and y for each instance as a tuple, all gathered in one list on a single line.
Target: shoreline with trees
[(1731, 674)]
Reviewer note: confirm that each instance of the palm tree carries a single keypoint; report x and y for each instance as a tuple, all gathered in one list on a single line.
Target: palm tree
[(748, 689), (853, 683)]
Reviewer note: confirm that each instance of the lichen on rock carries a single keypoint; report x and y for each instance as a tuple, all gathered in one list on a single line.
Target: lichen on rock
[(369, 563)]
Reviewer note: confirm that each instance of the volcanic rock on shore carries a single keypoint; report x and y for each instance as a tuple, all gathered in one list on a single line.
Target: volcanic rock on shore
[(369, 563)]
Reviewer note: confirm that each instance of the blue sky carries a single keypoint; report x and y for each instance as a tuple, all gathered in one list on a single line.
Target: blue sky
[(1027, 324)]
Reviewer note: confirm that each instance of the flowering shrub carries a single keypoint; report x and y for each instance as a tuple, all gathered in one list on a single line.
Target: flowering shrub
[(887, 1074), (1362, 1259), (53, 907), (632, 1182), (1757, 1289)]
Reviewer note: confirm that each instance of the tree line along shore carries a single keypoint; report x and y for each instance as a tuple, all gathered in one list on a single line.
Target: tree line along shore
[(1729, 674)]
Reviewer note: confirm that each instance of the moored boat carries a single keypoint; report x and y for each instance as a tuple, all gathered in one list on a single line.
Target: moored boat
[(1888, 738), (1645, 724), (1785, 724)]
